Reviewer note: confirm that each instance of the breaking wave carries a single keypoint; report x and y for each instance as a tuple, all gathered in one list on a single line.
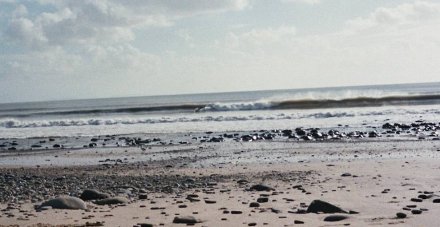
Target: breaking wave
[(19, 123), (325, 103)]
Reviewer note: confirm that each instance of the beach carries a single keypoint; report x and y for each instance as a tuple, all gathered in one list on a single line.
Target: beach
[(370, 179), (358, 156)]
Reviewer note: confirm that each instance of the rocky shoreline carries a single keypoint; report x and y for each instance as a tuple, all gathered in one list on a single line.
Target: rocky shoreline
[(370, 180)]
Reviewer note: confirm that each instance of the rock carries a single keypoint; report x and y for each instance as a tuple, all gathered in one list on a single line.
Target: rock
[(111, 201), (145, 225), (416, 200), (186, 220), (254, 204), (401, 215), (346, 175), (333, 218), (91, 194), (436, 201), (319, 206), (66, 202), (416, 211), (143, 196), (261, 187), (298, 222), (236, 212), (424, 196), (263, 200), (242, 181), (276, 211)]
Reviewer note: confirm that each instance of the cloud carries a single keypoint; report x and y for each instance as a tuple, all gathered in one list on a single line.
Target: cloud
[(406, 14), (257, 38), (89, 48), (311, 2), (103, 21), (85, 48), (390, 45)]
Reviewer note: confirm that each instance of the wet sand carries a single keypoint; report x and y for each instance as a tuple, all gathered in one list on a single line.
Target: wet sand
[(374, 179)]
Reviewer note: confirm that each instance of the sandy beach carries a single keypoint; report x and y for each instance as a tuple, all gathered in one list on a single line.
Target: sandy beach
[(216, 184)]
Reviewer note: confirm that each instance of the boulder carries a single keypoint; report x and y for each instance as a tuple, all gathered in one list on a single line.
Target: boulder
[(112, 201), (319, 206), (261, 187), (186, 220), (333, 218), (66, 202), (91, 194)]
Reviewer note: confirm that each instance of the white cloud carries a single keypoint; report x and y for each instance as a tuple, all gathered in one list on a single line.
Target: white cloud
[(311, 2), (105, 20), (406, 14), (391, 45), (86, 48)]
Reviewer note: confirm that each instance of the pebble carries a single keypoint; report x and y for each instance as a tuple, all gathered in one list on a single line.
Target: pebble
[(333, 218)]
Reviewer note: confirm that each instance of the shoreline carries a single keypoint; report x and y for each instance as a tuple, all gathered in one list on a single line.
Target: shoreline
[(380, 176)]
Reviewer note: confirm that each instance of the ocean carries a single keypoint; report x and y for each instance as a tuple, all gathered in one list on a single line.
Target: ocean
[(352, 107)]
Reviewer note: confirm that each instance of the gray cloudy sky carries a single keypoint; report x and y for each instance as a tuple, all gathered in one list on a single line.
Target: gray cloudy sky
[(69, 49)]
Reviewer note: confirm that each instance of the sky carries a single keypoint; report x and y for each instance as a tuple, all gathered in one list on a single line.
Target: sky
[(78, 49)]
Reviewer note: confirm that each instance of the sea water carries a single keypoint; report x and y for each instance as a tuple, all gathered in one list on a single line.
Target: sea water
[(353, 107)]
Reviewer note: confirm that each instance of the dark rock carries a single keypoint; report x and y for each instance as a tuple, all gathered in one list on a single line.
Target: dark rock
[(242, 181), (263, 200), (111, 201), (145, 225), (416, 200), (254, 204), (91, 194), (298, 222), (425, 196), (261, 187), (276, 211), (143, 196), (416, 211), (436, 201), (401, 215), (186, 220), (66, 202), (333, 218), (319, 206), (346, 175)]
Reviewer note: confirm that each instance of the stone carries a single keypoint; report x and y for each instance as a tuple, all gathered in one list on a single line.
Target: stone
[(145, 225), (65, 202), (143, 196), (263, 200), (254, 204), (333, 218), (416, 211), (91, 194), (416, 200), (261, 187), (401, 215), (111, 201), (186, 220), (319, 206)]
